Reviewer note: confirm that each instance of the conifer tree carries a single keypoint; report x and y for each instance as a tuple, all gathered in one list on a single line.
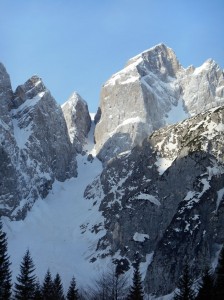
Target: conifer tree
[(25, 288), (72, 291), (5, 273), (136, 291), (185, 286), (38, 292), (58, 288), (206, 287), (47, 287), (219, 277)]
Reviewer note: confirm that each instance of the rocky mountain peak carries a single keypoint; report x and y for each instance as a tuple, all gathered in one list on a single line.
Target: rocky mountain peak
[(76, 114), (160, 59), (4, 77), (36, 149), (30, 89), (152, 91)]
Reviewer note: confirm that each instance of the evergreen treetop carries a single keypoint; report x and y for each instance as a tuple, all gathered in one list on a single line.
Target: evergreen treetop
[(72, 293), (5, 273), (219, 277), (185, 291), (58, 288), (25, 287), (47, 287), (206, 287), (136, 291)]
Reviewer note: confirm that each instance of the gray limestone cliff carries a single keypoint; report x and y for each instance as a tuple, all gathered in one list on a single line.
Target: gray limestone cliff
[(153, 91), (78, 120), (35, 149), (165, 200)]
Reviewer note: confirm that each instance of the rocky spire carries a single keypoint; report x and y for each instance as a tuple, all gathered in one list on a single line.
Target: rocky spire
[(78, 120)]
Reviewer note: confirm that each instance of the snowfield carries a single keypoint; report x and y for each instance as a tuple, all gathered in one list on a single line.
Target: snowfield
[(51, 230)]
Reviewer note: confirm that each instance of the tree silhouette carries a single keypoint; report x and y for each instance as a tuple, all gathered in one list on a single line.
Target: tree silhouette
[(5, 273), (206, 287), (58, 288), (38, 292), (47, 287), (136, 291), (25, 288), (185, 291), (219, 277), (72, 290), (110, 284)]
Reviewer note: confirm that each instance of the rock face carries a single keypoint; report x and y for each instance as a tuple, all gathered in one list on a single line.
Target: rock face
[(153, 90), (34, 145), (6, 95), (165, 198), (78, 120)]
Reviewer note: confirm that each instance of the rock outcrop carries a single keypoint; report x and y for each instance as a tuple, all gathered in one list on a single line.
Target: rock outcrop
[(34, 145), (165, 198), (152, 91), (78, 120)]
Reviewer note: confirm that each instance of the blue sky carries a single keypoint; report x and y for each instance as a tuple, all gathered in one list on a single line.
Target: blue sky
[(76, 45)]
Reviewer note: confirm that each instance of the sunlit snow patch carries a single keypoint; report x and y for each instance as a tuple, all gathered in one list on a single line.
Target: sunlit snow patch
[(163, 164), (220, 195), (140, 237), (148, 197), (22, 134), (177, 113)]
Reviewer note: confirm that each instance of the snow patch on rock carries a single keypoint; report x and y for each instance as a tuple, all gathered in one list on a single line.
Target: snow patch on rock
[(140, 237)]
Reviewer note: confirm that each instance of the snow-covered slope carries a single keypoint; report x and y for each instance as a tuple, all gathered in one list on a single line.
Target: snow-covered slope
[(53, 229)]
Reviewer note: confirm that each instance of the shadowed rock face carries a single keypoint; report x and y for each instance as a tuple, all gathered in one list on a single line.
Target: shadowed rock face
[(153, 90), (165, 198), (34, 145), (6, 95), (78, 120)]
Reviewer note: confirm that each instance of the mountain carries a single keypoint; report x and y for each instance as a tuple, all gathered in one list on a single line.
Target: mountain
[(164, 199), (35, 146), (152, 185), (152, 91), (78, 120)]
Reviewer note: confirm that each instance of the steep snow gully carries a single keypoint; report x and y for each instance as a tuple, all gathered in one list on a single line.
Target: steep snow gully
[(51, 230)]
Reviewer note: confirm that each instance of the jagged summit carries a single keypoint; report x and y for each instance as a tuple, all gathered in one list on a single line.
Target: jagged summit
[(29, 90), (76, 114), (73, 99), (152, 91), (160, 59), (35, 145)]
